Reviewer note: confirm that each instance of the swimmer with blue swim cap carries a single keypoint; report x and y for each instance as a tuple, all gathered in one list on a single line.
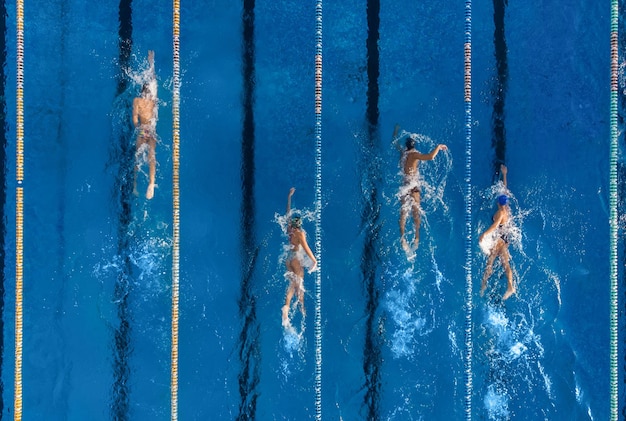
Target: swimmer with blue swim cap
[(501, 228)]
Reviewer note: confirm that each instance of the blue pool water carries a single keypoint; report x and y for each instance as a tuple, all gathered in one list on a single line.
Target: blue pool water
[(97, 260)]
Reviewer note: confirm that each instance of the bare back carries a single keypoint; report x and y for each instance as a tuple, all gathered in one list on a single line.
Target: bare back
[(411, 159), (143, 111), (295, 238), (502, 216)]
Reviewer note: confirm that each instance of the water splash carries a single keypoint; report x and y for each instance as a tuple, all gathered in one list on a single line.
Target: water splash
[(496, 403), (409, 319)]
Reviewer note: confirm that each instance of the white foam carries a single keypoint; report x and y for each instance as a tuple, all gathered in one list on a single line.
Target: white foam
[(496, 404)]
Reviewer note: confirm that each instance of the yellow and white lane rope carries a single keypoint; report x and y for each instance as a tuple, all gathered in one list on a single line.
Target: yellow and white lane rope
[(19, 210)]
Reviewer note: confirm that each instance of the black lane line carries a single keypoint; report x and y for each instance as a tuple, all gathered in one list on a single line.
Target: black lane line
[(249, 338), (3, 192), (122, 347), (498, 139), (372, 358)]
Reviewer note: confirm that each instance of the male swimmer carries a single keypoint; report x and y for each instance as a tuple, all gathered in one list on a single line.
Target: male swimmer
[(501, 227), (410, 192), (294, 263), (144, 119)]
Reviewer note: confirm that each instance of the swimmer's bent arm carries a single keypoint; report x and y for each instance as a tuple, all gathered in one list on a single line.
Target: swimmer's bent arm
[(432, 154), (497, 221), (308, 251)]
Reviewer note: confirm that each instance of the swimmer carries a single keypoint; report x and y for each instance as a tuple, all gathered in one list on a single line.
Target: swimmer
[(144, 120), (501, 226), (295, 270), (410, 191)]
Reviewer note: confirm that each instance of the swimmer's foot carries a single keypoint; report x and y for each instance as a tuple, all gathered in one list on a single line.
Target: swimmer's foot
[(416, 242), (510, 291), (150, 191), (405, 245), (285, 310)]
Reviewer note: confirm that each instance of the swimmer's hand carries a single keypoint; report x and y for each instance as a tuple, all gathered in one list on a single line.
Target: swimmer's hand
[(313, 268), (443, 147)]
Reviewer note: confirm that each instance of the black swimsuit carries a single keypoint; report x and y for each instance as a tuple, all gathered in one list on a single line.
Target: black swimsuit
[(504, 236)]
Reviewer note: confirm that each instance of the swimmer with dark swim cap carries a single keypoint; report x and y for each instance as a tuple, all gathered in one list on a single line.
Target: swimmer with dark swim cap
[(503, 199), (410, 197), (144, 120), (294, 262)]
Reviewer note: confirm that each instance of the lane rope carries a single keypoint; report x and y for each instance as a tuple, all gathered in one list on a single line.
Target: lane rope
[(318, 210), (19, 211), (175, 206), (468, 211), (613, 227)]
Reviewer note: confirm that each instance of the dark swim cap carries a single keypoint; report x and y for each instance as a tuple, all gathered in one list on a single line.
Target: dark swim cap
[(296, 222), (503, 199), (410, 143)]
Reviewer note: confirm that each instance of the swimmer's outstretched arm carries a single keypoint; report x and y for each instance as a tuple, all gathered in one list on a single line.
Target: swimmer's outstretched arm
[(291, 192), (151, 63), (394, 139), (504, 170), (135, 113)]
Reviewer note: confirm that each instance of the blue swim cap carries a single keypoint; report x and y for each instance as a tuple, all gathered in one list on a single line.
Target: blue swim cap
[(503, 199)]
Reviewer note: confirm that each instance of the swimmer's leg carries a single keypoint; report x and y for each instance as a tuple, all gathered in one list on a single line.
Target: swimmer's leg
[(488, 271), (402, 223), (285, 308), (417, 220), (510, 290), (300, 293), (138, 143), (152, 163)]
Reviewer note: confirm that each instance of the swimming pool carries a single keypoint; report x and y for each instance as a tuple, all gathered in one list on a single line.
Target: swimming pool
[(97, 259)]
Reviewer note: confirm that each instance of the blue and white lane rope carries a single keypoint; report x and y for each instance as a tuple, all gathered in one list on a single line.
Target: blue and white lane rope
[(318, 210), (175, 206), (468, 209), (613, 227)]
